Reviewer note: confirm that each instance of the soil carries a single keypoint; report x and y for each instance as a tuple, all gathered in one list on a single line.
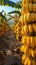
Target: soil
[(10, 49)]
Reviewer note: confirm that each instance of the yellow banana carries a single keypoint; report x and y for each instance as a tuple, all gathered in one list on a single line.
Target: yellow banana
[(32, 53), (30, 7), (24, 29), (22, 48), (32, 42), (24, 58), (29, 62), (21, 19), (17, 36), (34, 27), (34, 7), (26, 61), (24, 40), (32, 17), (28, 40), (26, 49), (28, 17), (30, 28)]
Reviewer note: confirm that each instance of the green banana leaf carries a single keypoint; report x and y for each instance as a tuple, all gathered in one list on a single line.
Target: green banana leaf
[(2, 15), (9, 3), (18, 12)]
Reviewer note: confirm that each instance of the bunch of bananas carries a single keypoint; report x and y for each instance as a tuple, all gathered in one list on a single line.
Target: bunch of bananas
[(26, 28), (28, 1), (28, 32), (28, 61), (30, 7), (30, 41), (28, 18), (17, 30), (28, 51)]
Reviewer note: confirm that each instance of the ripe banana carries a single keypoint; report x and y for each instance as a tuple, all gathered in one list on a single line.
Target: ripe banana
[(30, 41)]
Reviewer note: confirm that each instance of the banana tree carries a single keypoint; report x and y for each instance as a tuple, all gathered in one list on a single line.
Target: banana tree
[(9, 3), (3, 17), (16, 5), (17, 10)]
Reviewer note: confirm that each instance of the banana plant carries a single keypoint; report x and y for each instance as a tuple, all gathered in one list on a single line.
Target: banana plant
[(16, 5), (17, 12), (3, 16), (9, 3)]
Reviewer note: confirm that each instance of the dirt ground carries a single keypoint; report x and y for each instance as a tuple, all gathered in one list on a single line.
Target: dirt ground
[(9, 49)]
